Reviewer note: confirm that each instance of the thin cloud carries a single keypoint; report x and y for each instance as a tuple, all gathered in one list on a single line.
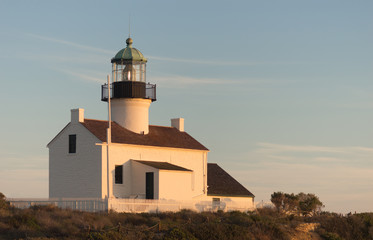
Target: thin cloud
[(83, 76), (22, 161), (100, 50), (219, 62), (91, 59), (206, 62), (329, 159), (181, 81), (281, 148), (80, 46), (167, 59), (359, 105), (311, 155), (173, 81), (332, 185)]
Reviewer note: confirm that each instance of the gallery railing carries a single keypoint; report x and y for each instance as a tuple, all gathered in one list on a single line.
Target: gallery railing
[(129, 89)]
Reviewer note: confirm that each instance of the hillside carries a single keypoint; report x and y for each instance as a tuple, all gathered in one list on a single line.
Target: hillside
[(50, 222)]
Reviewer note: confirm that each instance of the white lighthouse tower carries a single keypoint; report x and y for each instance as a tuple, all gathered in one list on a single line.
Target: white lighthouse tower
[(130, 94)]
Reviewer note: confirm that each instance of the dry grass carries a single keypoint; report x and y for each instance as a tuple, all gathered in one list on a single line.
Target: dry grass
[(48, 222)]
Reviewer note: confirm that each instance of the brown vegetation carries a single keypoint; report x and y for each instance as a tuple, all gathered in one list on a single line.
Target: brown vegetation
[(49, 222)]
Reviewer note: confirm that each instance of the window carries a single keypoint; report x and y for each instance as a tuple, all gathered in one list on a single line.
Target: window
[(118, 174), (72, 143)]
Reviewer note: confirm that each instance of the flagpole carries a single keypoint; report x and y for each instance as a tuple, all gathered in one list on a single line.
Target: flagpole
[(108, 136), (109, 105)]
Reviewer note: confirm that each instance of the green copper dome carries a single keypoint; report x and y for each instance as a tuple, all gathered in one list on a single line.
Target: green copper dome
[(128, 54)]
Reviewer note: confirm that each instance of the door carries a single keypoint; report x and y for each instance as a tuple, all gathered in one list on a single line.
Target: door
[(149, 188)]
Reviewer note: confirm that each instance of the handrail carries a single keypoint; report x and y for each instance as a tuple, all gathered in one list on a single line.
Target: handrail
[(150, 91)]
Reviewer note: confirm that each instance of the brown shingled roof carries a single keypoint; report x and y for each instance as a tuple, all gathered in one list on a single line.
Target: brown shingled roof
[(163, 166), (220, 183), (157, 136)]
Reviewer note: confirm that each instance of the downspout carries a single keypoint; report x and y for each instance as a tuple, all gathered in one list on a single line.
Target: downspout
[(204, 167)]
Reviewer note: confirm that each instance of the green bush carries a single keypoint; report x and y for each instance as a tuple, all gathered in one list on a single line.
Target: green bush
[(330, 236), (178, 234)]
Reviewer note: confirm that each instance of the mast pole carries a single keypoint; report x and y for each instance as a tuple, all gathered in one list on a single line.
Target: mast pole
[(108, 138), (109, 105)]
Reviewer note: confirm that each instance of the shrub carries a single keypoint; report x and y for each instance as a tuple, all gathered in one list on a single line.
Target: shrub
[(330, 236), (3, 203), (178, 234)]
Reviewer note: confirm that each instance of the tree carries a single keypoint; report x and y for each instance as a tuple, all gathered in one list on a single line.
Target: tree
[(277, 198), (305, 204), (285, 202), (309, 204), (3, 203), (291, 203)]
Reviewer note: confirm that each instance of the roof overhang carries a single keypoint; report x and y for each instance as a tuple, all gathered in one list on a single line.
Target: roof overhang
[(163, 166)]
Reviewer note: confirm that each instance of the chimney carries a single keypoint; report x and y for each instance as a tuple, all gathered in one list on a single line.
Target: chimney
[(178, 123), (77, 115)]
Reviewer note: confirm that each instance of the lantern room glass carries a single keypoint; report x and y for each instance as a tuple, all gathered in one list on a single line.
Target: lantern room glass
[(131, 71)]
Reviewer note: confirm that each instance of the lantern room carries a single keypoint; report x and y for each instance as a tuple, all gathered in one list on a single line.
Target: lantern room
[(129, 75), (129, 64)]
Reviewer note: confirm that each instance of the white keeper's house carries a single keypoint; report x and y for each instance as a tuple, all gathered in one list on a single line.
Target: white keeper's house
[(132, 160)]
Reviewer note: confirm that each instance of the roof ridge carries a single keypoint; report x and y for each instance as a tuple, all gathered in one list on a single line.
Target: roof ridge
[(91, 119), (160, 126), (97, 120)]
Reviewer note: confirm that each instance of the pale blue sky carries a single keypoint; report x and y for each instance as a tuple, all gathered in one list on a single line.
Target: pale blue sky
[(279, 91)]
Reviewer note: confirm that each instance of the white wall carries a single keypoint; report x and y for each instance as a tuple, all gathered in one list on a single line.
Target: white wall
[(121, 154), (138, 180), (75, 175), (175, 185), (237, 202)]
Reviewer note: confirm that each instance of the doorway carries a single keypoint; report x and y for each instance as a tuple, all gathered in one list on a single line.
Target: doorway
[(149, 187)]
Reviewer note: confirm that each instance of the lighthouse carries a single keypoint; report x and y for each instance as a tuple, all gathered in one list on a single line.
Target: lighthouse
[(130, 94), (163, 163)]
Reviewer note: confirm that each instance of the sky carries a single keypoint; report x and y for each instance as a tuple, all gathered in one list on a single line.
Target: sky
[(279, 91)]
